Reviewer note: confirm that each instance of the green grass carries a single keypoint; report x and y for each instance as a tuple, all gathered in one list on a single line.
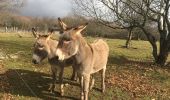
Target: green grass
[(130, 73)]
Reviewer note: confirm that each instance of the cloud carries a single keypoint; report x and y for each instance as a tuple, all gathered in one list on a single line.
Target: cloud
[(46, 8)]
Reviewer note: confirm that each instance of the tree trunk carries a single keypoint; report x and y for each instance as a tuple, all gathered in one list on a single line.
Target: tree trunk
[(164, 47), (162, 56), (6, 29), (152, 41), (138, 37), (128, 41)]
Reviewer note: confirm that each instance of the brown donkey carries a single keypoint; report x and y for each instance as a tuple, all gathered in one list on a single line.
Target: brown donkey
[(45, 47), (89, 58)]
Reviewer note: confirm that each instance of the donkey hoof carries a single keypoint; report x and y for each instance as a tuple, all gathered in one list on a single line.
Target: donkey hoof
[(51, 91), (82, 97), (73, 79), (91, 88), (62, 94), (103, 91)]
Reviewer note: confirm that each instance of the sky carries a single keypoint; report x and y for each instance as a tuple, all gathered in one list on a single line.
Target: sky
[(47, 8)]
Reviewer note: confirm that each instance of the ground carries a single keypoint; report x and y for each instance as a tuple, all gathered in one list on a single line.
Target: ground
[(130, 73)]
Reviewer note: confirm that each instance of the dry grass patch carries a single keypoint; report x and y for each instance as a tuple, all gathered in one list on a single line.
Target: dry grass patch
[(139, 79)]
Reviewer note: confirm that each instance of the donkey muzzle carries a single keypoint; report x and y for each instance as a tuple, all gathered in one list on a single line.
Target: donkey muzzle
[(60, 55)]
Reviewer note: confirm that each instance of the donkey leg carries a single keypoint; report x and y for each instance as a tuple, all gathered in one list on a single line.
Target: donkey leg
[(81, 86), (61, 81), (92, 82), (103, 79), (74, 74), (86, 86), (54, 79)]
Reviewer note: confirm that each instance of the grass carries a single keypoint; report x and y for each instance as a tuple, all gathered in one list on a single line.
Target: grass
[(130, 74)]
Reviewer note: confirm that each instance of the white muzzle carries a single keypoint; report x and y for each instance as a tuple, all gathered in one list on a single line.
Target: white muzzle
[(60, 54)]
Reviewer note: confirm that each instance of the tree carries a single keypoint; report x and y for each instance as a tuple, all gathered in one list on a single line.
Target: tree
[(133, 13), (11, 5), (161, 16), (157, 11), (114, 14)]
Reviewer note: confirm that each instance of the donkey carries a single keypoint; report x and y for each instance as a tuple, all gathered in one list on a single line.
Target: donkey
[(45, 47), (89, 58)]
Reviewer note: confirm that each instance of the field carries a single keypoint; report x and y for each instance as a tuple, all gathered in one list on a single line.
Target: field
[(130, 74)]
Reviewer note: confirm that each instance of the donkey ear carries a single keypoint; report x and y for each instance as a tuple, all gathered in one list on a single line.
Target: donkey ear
[(62, 24), (34, 33), (80, 28), (49, 35)]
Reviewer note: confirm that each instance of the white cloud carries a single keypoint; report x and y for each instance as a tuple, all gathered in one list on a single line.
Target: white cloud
[(46, 8)]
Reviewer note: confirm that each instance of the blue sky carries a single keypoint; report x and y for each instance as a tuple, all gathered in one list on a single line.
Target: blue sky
[(47, 8)]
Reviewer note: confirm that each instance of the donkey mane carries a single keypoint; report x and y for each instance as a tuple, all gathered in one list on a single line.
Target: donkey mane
[(81, 40)]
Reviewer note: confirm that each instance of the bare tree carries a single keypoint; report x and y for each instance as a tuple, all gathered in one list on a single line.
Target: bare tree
[(10, 6), (159, 12), (114, 14), (133, 13)]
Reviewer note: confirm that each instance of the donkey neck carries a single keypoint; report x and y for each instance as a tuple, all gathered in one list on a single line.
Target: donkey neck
[(85, 51), (52, 48)]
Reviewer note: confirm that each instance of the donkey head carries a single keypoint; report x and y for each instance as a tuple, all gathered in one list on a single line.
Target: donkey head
[(41, 47), (68, 42)]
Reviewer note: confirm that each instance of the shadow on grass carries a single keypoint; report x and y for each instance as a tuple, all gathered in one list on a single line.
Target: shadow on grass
[(123, 61), (11, 43), (32, 84), (118, 60), (127, 48)]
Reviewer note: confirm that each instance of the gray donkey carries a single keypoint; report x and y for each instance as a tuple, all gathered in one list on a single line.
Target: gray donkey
[(89, 58), (45, 47)]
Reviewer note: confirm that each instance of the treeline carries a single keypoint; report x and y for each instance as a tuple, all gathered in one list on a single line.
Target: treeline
[(11, 22), (98, 30)]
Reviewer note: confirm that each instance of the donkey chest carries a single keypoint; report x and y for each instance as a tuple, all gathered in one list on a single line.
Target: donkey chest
[(55, 61)]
